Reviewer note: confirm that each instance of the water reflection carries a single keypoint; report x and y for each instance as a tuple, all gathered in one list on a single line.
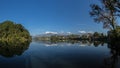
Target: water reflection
[(113, 61), (71, 42), (110, 61), (60, 54), (11, 49)]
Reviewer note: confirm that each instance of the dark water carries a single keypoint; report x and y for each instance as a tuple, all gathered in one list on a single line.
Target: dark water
[(59, 55)]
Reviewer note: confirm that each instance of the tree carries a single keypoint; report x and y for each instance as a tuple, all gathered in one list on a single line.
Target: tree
[(106, 13), (10, 31), (96, 34)]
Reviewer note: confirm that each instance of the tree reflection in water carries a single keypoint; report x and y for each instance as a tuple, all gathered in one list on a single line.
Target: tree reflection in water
[(81, 42), (11, 49), (113, 60)]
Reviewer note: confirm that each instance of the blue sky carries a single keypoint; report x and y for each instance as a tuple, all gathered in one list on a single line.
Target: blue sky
[(39, 16)]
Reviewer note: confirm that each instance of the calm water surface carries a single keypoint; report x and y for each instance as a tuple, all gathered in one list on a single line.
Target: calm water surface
[(59, 55)]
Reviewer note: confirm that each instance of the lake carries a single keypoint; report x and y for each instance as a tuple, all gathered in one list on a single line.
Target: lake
[(59, 55)]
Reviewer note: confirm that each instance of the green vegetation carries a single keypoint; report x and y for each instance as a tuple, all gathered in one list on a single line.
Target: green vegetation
[(14, 39), (10, 31)]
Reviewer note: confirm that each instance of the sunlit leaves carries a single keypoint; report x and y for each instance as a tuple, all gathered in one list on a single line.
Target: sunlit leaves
[(10, 31)]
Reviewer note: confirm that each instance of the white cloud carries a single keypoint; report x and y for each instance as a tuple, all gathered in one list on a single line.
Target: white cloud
[(90, 32), (82, 31), (69, 33), (85, 31), (50, 32)]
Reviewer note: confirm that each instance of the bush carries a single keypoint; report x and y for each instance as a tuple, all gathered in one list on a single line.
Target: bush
[(10, 31)]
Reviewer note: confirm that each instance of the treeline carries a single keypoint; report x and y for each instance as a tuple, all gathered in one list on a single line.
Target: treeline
[(10, 31), (88, 36), (112, 35)]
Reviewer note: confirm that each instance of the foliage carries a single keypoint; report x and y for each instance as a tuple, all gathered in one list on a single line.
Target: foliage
[(106, 13), (10, 31), (114, 35)]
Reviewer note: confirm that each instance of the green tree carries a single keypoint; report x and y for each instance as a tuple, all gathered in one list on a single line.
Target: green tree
[(106, 13), (10, 31)]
